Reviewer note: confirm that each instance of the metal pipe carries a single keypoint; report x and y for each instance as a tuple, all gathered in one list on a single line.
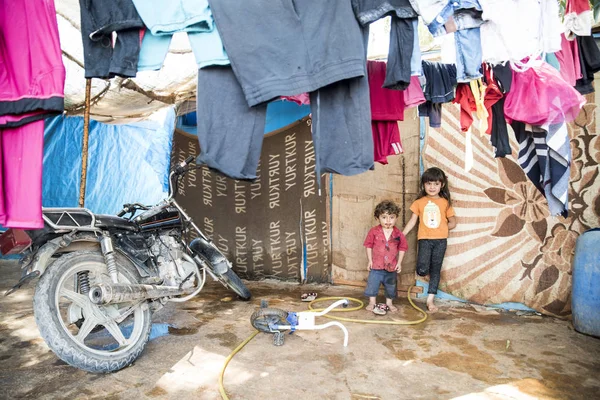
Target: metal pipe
[(103, 293), (343, 302)]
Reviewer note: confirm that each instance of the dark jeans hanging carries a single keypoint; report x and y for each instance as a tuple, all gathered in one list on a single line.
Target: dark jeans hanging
[(99, 19), (402, 36)]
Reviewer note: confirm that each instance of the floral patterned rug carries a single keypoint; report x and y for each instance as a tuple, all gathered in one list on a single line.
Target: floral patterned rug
[(506, 247)]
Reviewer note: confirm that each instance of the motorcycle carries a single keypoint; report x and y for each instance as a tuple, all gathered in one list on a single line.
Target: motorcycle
[(101, 276)]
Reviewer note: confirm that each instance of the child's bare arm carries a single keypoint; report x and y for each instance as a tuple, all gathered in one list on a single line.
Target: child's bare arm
[(410, 224), (370, 258), (399, 264), (451, 222)]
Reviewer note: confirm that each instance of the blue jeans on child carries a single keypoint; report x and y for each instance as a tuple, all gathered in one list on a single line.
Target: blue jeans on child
[(381, 276)]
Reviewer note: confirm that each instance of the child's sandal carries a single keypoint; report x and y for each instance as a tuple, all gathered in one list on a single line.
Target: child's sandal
[(308, 296), (380, 309)]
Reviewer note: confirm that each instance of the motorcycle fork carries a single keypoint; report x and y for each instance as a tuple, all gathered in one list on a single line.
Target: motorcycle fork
[(109, 256)]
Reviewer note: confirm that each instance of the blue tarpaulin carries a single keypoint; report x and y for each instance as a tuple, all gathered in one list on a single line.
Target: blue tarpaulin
[(126, 163), (280, 113)]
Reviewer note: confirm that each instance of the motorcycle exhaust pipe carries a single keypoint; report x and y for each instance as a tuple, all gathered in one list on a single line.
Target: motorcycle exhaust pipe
[(103, 293)]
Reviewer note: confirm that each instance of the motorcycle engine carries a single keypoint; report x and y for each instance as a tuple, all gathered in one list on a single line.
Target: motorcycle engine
[(173, 263)]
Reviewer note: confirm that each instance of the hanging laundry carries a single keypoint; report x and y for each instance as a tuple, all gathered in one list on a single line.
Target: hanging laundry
[(21, 176), (516, 29), (478, 98), (478, 89), (301, 99), (578, 18), (231, 138), (99, 20), (341, 128), (440, 81), (568, 60), (413, 95), (415, 58), (498, 81), (466, 100), (433, 111), (439, 88), (491, 96), (403, 31), (552, 60), (165, 18), (503, 75), (32, 74), (539, 96), (463, 17), (387, 108), (329, 63), (386, 104), (544, 155), (499, 133), (32, 82), (330, 51), (589, 61)]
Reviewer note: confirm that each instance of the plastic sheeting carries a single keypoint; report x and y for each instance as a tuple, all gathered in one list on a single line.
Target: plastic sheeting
[(280, 114), (126, 163)]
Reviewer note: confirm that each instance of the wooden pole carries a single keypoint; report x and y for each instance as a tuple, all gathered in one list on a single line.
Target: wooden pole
[(84, 150)]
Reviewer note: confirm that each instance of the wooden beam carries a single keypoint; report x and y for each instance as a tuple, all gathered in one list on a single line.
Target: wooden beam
[(84, 150)]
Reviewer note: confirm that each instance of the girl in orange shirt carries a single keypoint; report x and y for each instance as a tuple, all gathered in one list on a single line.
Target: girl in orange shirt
[(433, 209)]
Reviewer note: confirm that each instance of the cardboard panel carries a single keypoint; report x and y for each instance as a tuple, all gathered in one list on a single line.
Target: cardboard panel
[(273, 227), (355, 198)]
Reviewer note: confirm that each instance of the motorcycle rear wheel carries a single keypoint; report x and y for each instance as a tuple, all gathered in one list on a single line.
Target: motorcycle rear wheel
[(58, 305)]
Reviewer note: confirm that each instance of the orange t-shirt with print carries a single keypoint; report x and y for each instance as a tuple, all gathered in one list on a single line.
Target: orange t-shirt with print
[(433, 217)]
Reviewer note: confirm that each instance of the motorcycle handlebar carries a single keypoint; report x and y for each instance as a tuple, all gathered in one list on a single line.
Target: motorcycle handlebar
[(132, 207)]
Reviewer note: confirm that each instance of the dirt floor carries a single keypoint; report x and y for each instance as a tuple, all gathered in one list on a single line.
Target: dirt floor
[(462, 352)]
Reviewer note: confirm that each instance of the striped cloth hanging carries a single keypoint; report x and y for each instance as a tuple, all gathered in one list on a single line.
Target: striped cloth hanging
[(545, 156)]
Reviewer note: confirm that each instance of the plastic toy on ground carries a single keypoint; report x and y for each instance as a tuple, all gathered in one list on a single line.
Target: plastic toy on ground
[(274, 320)]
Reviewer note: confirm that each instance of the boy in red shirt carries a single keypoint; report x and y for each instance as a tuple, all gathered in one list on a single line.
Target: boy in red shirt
[(386, 246)]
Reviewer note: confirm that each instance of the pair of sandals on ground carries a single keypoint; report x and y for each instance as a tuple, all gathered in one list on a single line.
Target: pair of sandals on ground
[(378, 309)]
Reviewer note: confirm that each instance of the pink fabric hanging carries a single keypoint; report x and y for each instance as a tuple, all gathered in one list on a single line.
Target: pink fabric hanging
[(386, 140), (568, 59), (32, 74), (300, 99), (413, 94), (21, 176), (32, 79), (387, 108), (539, 96)]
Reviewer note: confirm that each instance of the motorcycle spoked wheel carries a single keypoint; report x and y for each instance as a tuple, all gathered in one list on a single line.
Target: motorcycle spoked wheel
[(117, 344), (262, 317)]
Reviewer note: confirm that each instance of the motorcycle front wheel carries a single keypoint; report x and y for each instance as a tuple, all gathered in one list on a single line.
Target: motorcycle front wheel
[(233, 282), (94, 338)]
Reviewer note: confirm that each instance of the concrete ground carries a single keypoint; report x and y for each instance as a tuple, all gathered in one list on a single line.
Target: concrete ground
[(461, 352)]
